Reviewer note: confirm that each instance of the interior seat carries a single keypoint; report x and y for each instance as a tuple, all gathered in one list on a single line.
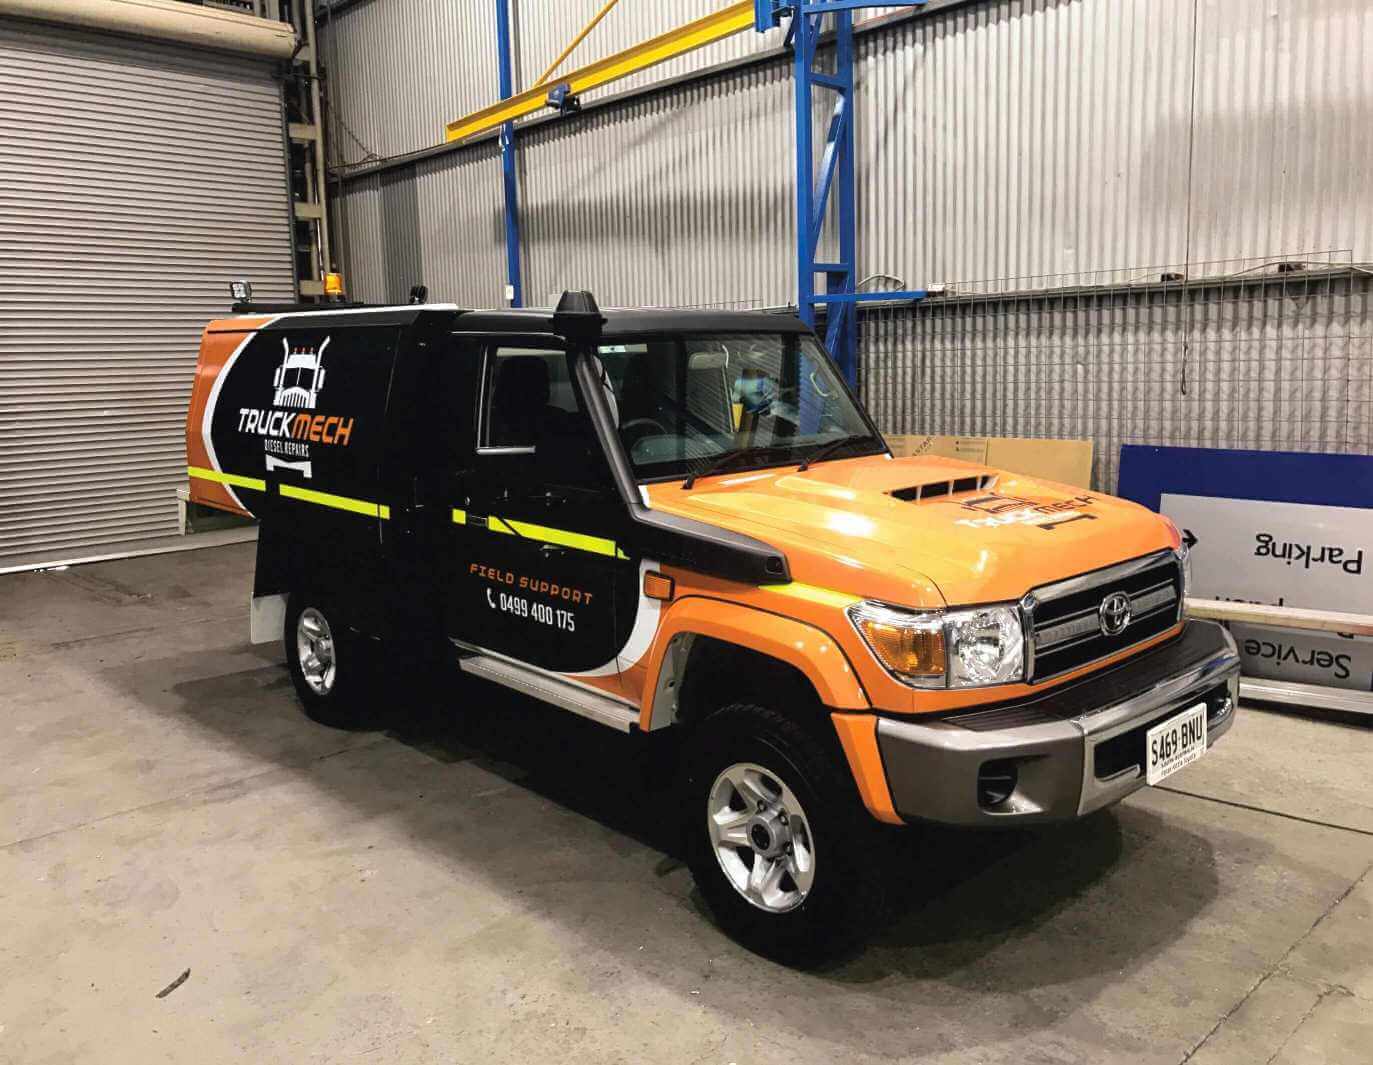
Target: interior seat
[(519, 401)]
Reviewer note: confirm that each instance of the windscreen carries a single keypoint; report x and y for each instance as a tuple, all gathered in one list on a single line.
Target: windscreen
[(686, 404)]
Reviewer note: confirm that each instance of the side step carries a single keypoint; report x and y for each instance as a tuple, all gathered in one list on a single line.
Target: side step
[(552, 689)]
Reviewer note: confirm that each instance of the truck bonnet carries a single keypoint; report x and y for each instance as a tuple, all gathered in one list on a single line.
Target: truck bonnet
[(979, 535)]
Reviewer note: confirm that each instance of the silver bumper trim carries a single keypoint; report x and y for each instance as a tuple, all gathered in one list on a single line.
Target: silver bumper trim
[(1107, 724), (932, 768)]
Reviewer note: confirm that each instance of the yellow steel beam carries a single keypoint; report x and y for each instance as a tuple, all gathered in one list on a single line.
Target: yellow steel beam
[(716, 27), (596, 21)]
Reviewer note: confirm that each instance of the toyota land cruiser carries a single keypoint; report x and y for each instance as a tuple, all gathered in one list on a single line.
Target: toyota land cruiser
[(686, 520)]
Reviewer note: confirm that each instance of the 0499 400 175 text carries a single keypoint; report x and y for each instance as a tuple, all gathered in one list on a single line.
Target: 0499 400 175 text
[(553, 617)]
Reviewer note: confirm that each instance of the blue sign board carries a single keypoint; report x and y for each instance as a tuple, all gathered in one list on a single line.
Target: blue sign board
[(1278, 476)]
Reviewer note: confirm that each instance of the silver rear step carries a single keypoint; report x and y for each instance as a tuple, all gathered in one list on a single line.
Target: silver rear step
[(551, 688)]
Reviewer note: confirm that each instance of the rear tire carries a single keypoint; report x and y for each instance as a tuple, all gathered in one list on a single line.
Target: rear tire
[(781, 847), (331, 667)]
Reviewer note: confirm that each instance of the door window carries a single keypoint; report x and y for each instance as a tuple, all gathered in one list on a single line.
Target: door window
[(529, 408), (526, 393)]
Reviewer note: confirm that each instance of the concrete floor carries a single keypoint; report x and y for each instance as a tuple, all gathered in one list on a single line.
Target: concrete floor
[(490, 883)]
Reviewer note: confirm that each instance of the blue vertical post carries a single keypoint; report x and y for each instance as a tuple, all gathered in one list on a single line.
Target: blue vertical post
[(803, 44), (512, 200), (835, 180), (843, 331)]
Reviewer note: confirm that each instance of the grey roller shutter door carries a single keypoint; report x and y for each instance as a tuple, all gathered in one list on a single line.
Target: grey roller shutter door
[(136, 181)]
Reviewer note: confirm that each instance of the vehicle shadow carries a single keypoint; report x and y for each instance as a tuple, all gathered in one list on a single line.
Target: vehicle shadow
[(955, 896), (992, 935)]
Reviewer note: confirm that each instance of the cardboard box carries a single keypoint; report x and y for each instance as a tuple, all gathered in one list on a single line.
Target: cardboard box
[(1065, 461)]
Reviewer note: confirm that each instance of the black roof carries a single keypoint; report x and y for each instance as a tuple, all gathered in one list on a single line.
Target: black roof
[(618, 323), (632, 321)]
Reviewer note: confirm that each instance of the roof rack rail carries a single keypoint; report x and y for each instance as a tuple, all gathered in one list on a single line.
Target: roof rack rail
[(250, 307)]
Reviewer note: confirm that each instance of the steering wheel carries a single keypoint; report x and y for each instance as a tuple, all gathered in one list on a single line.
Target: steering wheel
[(636, 429)]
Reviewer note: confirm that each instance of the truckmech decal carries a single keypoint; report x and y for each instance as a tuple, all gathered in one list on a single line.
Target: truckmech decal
[(294, 413), (1013, 510), (286, 435)]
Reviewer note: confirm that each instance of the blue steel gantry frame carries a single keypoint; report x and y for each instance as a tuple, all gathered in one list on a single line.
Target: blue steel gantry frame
[(823, 196), (834, 182)]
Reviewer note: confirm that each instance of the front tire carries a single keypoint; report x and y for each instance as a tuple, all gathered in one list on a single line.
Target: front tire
[(779, 843), (328, 664)]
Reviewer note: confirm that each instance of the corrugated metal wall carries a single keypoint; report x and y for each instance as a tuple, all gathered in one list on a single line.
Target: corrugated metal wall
[(136, 182), (1004, 146), (438, 221), (1026, 138), (1010, 141), (1262, 361), (1283, 140), (606, 206), (462, 228)]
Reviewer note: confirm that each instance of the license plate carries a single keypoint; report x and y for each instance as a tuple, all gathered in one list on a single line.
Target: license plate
[(1177, 742)]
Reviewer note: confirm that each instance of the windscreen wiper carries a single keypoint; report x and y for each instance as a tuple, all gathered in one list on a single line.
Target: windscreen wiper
[(829, 449), (729, 459)]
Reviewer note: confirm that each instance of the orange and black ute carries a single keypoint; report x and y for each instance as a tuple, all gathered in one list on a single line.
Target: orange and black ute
[(686, 523)]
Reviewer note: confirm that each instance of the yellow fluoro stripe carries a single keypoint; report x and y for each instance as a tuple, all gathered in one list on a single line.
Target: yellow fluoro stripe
[(596, 545), (325, 499), (459, 516), (202, 474), (813, 594)]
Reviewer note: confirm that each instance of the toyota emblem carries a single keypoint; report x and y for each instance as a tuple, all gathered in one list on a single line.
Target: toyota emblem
[(1114, 613)]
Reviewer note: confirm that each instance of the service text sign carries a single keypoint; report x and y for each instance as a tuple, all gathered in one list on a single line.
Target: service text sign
[(1285, 554)]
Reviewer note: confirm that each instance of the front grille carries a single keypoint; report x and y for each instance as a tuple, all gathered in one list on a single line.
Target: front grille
[(1067, 628), (1126, 751)]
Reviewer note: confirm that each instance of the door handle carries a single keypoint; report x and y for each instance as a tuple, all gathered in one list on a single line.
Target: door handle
[(551, 550), (556, 497)]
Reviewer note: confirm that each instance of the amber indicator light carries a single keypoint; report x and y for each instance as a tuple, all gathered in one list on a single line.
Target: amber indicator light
[(911, 652), (656, 586)]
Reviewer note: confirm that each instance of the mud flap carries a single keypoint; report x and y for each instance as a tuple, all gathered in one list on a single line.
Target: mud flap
[(266, 618)]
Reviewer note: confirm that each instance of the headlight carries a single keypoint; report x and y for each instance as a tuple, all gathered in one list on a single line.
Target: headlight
[(986, 646), (945, 649), (1184, 554)]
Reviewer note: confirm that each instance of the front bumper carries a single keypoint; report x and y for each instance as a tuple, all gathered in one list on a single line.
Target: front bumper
[(1073, 749)]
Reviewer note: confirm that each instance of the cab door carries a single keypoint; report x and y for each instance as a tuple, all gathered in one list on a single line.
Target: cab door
[(534, 523)]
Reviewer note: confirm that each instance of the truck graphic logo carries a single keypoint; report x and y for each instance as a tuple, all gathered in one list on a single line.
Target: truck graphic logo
[(300, 376)]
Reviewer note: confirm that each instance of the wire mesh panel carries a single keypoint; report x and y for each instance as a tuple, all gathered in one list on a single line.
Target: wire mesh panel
[(1269, 354)]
